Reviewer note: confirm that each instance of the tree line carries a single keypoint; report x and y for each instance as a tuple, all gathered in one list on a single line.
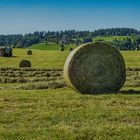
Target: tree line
[(127, 44), (68, 37)]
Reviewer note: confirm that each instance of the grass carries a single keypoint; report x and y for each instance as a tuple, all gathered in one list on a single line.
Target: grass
[(62, 113), (50, 46), (56, 47), (110, 38), (31, 79), (39, 58), (56, 59), (132, 58)]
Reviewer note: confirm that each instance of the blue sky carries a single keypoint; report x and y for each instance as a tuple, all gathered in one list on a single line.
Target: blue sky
[(24, 16)]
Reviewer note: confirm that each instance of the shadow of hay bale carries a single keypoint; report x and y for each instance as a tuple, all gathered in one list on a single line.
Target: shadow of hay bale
[(131, 91)]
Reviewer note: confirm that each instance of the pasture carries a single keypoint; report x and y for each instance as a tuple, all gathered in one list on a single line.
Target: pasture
[(110, 38), (50, 46), (56, 59), (36, 104), (54, 46)]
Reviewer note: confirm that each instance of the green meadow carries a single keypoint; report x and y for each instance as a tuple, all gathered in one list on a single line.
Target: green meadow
[(110, 38), (48, 112), (56, 59), (54, 46), (39, 58), (51, 46)]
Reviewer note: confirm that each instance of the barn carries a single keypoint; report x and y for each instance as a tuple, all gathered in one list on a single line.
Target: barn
[(2, 51), (5, 51)]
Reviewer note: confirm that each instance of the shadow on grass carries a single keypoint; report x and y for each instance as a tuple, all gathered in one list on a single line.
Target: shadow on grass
[(126, 92), (10, 57), (131, 91), (14, 56)]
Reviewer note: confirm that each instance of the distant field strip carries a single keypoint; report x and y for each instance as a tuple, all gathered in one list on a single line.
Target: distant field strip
[(56, 59), (110, 38)]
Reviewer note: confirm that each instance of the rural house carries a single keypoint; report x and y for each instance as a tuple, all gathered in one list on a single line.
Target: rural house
[(5, 51)]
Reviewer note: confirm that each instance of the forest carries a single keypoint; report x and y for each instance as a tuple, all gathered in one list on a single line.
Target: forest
[(73, 37)]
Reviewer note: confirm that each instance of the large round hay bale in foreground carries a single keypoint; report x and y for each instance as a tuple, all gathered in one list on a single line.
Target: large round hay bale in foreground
[(95, 68), (25, 64), (29, 52)]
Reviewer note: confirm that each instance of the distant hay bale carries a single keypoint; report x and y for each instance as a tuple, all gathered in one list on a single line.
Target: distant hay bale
[(62, 47), (25, 64), (29, 52), (71, 49), (95, 68)]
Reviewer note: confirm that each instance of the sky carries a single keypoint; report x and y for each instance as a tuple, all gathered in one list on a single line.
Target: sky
[(25, 16)]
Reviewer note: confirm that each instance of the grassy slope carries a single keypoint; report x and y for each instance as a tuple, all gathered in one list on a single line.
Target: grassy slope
[(110, 38), (50, 46), (53, 46), (63, 113)]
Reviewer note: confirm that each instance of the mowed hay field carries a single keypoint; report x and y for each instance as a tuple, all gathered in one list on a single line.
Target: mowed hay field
[(36, 104)]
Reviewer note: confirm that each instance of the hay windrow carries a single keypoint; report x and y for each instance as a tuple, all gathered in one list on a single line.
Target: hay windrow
[(31, 78), (95, 68)]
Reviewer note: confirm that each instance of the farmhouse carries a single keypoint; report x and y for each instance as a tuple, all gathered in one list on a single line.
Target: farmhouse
[(5, 51), (2, 50)]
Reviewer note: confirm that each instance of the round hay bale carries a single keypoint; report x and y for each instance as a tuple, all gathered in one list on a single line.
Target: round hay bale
[(29, 52), (61, 49), (25, 64), (95, 68), (71, 49)]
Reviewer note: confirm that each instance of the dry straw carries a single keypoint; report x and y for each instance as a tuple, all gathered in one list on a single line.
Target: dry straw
[(25, 64), (95, 68)]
